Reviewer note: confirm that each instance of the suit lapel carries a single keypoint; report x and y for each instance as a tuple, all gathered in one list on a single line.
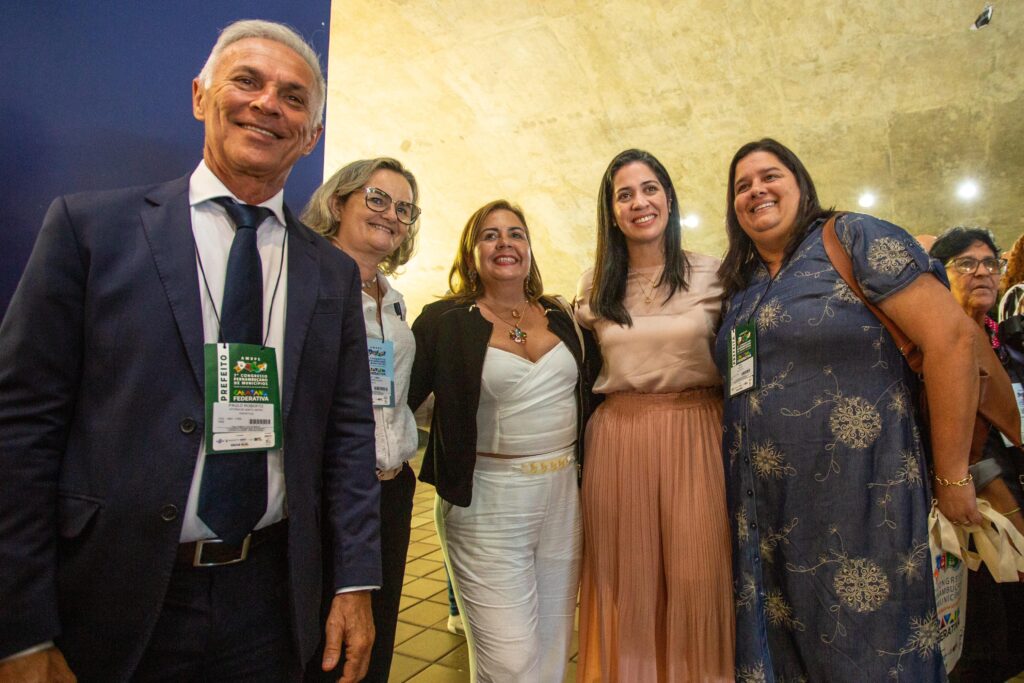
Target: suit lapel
[(168, 224), (303, 284)]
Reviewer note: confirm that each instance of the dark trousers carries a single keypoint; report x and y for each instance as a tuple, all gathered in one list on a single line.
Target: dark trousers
[(395, 517), (228, 623)]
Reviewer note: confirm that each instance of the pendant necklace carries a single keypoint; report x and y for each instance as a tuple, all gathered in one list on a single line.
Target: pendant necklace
[(515, 332), (648, 294)]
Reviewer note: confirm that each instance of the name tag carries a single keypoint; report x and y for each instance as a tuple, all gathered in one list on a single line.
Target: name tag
[(243, 400), (742, 358), (382, 371)]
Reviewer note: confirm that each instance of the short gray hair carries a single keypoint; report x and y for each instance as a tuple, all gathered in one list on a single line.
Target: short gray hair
[(269, 30)]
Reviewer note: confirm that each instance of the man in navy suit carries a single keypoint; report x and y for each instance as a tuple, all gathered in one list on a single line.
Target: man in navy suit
[(111, 565)]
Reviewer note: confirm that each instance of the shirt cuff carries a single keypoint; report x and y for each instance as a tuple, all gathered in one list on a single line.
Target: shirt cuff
[(353, 589), (30, 651)]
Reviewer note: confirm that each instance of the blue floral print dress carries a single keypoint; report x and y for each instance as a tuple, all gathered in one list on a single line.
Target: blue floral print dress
[(827, 481)]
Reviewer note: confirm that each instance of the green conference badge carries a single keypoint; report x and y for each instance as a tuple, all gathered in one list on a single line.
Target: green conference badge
[(243, 400)]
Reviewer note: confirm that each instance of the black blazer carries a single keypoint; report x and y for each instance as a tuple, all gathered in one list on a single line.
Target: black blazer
[(451, 343), (101, 415)]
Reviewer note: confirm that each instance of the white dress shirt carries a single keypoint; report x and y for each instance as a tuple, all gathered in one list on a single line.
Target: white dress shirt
[(395, 426), (214, 231)]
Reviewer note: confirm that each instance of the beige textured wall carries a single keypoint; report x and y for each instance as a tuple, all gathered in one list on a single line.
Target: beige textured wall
[(530, 100)]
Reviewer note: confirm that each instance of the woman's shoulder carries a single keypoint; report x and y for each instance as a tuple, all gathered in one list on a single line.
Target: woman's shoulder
[(853, 225), (702, 262), (584, 284), (435, 309)]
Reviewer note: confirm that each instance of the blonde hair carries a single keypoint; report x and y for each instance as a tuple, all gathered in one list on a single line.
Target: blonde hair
[(352, 178), (463, 282)]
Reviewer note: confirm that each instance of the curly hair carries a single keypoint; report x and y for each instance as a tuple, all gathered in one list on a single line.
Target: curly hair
[(1014, 267)]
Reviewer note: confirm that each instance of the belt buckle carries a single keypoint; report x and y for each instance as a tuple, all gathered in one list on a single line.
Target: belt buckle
[(197, 560)]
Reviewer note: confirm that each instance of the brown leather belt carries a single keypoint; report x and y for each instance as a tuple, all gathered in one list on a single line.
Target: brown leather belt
[(215, 553)]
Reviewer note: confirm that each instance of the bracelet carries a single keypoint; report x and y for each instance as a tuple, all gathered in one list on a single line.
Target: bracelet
[(942, 481)]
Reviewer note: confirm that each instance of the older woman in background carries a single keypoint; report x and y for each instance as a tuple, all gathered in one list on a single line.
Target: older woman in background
[(655, 601), (368, 209), (505, 365), (993, 639), (829, 491)]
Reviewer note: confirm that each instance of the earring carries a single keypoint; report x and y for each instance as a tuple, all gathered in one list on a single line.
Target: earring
[(472, 279)]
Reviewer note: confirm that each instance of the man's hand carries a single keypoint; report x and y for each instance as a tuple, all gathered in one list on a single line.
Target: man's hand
[(350, 622), (45, 666)]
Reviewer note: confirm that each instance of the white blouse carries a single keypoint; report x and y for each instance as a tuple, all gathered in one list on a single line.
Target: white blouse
[(395, 426)]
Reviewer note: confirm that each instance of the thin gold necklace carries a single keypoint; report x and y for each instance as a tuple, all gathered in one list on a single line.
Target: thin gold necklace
[(641, 279), (515, 331)]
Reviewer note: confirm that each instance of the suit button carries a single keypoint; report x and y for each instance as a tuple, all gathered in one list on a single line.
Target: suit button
[(169, 513), (188, 425), (750, 492)]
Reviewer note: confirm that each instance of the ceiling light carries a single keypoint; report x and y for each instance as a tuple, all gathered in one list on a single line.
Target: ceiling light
[(967, 190), (690, 221), (867, 200)]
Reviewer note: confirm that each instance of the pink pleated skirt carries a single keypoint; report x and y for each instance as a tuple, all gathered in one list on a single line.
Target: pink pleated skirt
[(656, 596)]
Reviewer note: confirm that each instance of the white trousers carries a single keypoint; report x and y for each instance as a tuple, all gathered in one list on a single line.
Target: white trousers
[(514, 559)]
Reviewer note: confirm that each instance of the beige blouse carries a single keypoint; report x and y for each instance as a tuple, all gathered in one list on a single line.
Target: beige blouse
[(669, 346)]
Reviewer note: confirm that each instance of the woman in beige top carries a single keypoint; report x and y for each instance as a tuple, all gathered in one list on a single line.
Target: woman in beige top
[(656, 598)]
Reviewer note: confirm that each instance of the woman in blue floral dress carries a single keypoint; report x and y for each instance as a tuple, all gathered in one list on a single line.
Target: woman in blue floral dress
[(828, 485)]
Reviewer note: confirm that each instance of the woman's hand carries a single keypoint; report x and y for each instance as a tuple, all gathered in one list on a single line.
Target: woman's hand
[(959, 504)]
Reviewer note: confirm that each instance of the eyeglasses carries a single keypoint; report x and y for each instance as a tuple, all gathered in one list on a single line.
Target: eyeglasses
[(378, 200), (968, 264)]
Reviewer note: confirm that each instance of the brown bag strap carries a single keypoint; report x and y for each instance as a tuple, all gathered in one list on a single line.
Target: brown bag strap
[(844, 266)]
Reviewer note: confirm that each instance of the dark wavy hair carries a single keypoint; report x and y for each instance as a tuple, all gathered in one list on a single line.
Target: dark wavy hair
[(742, 258), (953, 242), (611, 260)]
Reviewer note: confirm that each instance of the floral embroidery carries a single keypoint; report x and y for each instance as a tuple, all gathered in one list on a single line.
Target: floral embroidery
[(855, 422), (910, 563), (779, 612), (769, 461), (751, 674), (771, 315), (909, 473), (889, 255), (923, 641), (861, 585), (742, 525)]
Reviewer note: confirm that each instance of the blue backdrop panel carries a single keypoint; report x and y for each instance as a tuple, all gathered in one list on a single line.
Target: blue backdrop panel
[(98, 95)]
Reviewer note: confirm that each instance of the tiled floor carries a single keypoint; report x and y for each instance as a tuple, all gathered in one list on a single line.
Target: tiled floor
[(424, 650)]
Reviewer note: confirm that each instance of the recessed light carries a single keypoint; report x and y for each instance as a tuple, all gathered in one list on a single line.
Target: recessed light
[(968, 190), (691, 221), (867, 200)]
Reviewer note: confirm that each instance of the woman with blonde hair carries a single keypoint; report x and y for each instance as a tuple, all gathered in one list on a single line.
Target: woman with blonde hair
[(368, 210), (506, 367)]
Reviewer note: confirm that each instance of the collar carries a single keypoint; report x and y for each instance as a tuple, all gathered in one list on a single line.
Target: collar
[(203, 186)]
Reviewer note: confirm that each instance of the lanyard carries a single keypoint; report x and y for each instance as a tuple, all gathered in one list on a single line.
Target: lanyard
[(273, 296)]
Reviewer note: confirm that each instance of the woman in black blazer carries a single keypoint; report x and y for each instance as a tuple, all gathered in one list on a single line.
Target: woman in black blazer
[(507, 368)]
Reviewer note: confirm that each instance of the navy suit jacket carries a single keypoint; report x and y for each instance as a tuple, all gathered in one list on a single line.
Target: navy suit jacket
[(101, 416)]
